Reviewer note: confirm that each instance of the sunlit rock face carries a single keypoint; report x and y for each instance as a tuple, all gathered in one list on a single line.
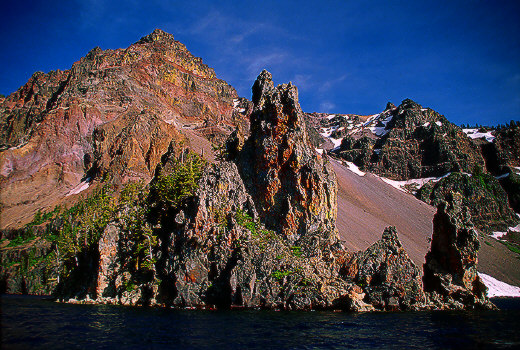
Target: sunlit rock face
[(116, 110), (293, 187), (388, 276)]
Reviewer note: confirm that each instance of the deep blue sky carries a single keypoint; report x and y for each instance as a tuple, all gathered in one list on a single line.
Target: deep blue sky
[(461, 58)]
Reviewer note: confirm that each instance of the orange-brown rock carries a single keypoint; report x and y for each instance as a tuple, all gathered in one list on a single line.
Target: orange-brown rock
[(294, 189), (117, 109)]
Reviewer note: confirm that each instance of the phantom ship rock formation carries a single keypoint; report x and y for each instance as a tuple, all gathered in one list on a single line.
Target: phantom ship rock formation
[(203, 199)]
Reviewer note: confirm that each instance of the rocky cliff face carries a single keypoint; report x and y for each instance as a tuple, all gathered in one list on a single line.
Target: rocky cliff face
[(213, 247), (115, 109), (199, 235), (409, 141), (507, 146), (388, 276)]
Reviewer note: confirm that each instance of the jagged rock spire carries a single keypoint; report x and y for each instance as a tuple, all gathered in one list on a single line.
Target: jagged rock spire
[(450, 270), (295, 192)]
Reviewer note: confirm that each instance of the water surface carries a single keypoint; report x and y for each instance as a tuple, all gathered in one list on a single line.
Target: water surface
[(37, 323)]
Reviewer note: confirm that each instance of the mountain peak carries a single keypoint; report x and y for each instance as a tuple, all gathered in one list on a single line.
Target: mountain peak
[(156, 35), (263, 84), (408, 103), (389, 106)]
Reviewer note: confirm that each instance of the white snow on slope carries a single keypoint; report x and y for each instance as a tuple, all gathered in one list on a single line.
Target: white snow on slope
[(474, 134), (319, 150), (373, 120), (439, 123), (498, 234), (400, 185), (326, 132), (353, 167), (498, 288), (370, 119), (82, 186), (336, 142)]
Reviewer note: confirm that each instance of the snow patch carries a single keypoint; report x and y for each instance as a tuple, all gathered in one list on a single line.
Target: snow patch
[(82, 186), (374, 120), (331, 116), (502, 176), (372, 117), (426, 124), (474, 134), (438, 123), (235, 102), (515, 229), (498, 234), (336, 142), (498, 288), (319, 150), (401, 185), (353, 167)]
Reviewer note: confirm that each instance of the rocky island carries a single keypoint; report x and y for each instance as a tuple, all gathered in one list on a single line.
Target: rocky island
[(140, 178)]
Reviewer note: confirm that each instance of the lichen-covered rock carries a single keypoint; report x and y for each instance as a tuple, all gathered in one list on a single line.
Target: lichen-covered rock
[(511, 185), (109, 264), (450, 270), (293, 188), (220, 254), (507, 145), (389, 278)]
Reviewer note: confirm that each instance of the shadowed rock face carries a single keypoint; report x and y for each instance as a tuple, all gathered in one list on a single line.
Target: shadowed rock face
[(482, 194), (388, 276), (416, 142), (293, 189), (507, 146), (450, 270), (117, 108)]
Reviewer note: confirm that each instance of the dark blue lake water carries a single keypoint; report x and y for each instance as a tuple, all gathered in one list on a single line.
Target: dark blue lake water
[(36, 323)]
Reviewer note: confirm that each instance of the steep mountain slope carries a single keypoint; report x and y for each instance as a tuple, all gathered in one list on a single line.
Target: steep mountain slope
[(366, 205), (113, 113), (418, 150)]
